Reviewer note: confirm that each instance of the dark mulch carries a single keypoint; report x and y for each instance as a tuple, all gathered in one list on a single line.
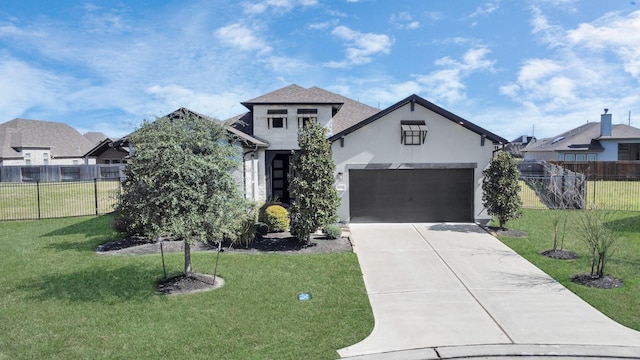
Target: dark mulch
[(559, 254), (282, 243), (497, 231), (183, 284), (605, 282)]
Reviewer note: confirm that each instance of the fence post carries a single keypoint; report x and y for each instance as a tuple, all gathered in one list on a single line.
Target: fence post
[(95, 194), (38, 195)]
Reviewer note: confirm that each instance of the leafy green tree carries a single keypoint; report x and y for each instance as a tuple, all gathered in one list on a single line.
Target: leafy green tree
[(179, 183), (316, 199), (501, 190)]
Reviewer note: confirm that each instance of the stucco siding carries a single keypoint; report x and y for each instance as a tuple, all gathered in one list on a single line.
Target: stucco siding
[(447, 144), (285, 138)]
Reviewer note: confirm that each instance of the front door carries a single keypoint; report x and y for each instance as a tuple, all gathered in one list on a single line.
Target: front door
[(280, 178)]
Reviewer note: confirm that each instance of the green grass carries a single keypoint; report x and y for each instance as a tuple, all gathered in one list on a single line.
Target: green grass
[(59, 299), (604, 194), (621, 304), (19, 201)]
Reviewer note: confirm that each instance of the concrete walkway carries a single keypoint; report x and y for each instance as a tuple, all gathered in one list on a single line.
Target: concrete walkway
[(452, 290)]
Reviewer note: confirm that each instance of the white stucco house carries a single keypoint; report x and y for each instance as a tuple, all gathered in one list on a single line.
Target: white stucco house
[(411, 162), (602, 141)]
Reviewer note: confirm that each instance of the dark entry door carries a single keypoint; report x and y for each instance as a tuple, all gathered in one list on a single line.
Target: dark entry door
[(411, 195), (280, 178)]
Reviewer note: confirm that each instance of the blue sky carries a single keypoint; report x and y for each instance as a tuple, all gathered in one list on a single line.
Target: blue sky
[(514, 67)]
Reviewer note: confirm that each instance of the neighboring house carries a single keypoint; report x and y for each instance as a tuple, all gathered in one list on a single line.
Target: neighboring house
[(107, 151), (515, 146), (35, 142), (602, 141), (411, 162)]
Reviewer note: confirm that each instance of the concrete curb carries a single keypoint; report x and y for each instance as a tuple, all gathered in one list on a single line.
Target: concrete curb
[(508, 351)]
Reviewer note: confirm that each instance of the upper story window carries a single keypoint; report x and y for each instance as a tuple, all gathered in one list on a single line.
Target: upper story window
[(27, 158), (307, 116), (277, 118), (413, 132)]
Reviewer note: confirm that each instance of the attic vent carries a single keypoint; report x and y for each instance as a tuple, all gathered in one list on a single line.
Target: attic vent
[(559, 138)]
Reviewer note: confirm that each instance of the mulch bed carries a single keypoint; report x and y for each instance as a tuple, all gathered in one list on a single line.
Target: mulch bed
[(605, 282), (559, 254), (497, 231), (183, 284)]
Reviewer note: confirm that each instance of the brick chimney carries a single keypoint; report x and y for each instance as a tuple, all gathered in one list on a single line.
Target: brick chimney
[(605, 123)]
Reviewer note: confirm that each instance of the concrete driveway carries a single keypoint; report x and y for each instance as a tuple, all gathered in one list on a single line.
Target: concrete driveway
[(452, 290)]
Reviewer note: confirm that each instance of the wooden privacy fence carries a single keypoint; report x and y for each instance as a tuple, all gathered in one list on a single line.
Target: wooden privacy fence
[(56, 173)]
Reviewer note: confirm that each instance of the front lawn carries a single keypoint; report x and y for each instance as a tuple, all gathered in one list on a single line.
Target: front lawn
[(59, 299), (621, 304)]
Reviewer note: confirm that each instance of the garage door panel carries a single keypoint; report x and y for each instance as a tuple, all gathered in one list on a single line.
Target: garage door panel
[(416, 195)]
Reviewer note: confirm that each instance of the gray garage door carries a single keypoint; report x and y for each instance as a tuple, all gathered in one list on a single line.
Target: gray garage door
[(412, 195)]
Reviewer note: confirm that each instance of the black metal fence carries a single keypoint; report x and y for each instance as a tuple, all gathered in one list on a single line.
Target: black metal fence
[(604, 192), (42, 200)]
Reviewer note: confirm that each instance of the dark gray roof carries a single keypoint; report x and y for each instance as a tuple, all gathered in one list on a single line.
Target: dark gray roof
[(62, 139), (241, 136), (429, 105), (95, 137), (585, 137), (348, 111)]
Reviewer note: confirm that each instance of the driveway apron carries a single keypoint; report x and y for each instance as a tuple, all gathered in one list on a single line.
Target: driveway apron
[(448, 287)]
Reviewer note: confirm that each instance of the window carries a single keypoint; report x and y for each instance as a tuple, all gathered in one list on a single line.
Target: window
[(591, 157), (569, 157), (581, 157), (413, 132), (27, 158), (275, 118), (277, 122), (307, 116), (45, 158), (304, 121)]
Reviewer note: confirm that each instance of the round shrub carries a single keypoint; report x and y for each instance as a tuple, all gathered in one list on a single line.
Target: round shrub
[(277, 218), (332, 231), (262, 228)]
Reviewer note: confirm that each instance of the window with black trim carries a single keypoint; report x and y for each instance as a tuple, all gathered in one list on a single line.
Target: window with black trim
[(307, 116), (414, 132), (277, 118)]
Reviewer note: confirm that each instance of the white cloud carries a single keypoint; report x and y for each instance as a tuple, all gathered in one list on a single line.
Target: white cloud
[(277, 5), (219, 106), (615, 33), (447, 84), (553, 35), (24, 87), (361, 47), (241, 37), (404, 20), (486, 9)]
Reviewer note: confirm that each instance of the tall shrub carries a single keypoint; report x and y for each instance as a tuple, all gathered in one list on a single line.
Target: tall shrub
[(501, 190), (316, 200), (179, 182)]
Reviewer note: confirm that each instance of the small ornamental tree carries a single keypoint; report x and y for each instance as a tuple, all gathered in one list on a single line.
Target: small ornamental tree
[(316, 199), (592, 229), (501, 190), (179, 183)]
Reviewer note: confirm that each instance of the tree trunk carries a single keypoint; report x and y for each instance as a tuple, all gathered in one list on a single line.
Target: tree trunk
[(187, 258)]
